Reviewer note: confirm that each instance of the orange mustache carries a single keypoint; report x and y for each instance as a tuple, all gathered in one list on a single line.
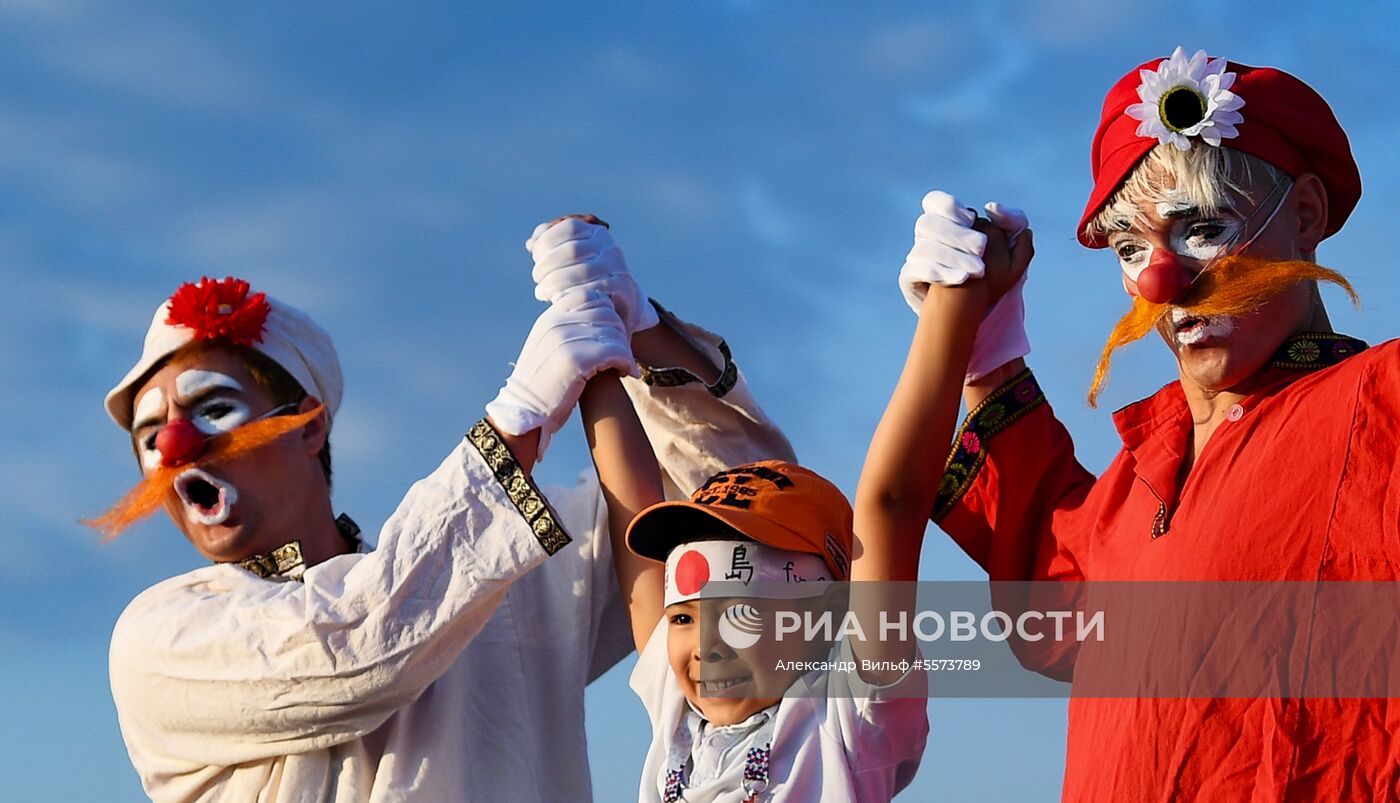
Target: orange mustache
[(147, 496), (1236, 285)]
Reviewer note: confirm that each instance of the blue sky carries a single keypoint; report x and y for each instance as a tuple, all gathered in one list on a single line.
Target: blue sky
[(762, 164)]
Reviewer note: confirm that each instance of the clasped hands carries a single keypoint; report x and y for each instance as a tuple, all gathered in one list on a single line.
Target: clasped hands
[(595, 306), (952, 247)]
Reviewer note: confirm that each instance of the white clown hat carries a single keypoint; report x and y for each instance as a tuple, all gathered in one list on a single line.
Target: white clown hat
[(224, 310)]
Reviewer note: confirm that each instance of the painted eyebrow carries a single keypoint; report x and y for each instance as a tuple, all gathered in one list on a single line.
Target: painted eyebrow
[(1193, 210), (1185, 211), (1115, 237), (209, 392), (212, 391)]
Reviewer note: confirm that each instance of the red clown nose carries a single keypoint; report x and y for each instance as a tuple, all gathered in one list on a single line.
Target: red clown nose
[(1163, 280), (179, 442)]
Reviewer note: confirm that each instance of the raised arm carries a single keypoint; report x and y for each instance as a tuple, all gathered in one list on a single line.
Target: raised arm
[(630, 481), (900, 479), (218, 666), (692, 399)]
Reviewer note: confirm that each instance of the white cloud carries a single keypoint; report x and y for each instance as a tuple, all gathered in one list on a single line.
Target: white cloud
[(302, 227), (914, 49), (60, 300), (1084, 23), (44, 10), (630, 71), (978, 92), (768, 219), (64, 159), (682, 195), (149, 57)]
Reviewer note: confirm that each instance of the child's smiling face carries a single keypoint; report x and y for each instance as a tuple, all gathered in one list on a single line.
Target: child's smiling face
[(727, 684), (727, 671)]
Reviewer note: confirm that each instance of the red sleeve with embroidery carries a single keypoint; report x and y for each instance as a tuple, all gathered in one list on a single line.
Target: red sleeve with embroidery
[(1012, 497)]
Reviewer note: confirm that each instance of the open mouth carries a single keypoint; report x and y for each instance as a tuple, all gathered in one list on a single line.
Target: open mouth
[(1184, 323), (208, 498), (1191, 329)]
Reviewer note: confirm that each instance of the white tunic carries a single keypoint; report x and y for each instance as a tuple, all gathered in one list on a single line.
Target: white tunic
[(832, 748), (436, 668)]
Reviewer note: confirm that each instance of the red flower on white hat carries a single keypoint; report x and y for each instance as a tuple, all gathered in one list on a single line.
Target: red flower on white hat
[(220, 309)]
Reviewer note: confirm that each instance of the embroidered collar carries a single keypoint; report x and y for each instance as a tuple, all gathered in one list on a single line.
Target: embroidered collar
[(287, 562), (1307, 351), (1312, 350)]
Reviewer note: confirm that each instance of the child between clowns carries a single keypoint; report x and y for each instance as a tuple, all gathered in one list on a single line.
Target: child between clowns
[(729, 722)]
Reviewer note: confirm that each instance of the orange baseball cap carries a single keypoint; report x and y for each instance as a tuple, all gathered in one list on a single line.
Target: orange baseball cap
[(774, 502)]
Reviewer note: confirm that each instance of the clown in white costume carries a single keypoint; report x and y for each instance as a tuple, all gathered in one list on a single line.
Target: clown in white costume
[(447, 663)]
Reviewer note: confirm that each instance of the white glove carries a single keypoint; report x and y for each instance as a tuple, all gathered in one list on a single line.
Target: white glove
[(1001, 337), (568, 344), (947, 250), (575, 254)]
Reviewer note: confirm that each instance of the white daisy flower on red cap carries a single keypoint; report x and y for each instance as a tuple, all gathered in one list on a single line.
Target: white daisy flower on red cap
[(1186, 98)]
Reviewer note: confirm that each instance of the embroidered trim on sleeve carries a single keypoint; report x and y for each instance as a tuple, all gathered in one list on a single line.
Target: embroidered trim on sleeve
[(1018, 396), (676, 377), (543, 521)]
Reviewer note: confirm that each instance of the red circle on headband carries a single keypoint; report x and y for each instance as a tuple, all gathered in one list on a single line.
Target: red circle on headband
[(692, 573)]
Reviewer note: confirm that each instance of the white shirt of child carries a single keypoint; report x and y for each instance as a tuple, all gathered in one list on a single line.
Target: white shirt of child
[(833, 749)]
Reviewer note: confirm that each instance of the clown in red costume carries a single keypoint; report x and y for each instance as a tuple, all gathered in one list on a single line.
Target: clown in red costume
[(1271, 457)]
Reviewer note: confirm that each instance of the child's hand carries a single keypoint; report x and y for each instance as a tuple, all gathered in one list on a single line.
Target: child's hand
[(1001, 336), (954, 248), (1008, 250)]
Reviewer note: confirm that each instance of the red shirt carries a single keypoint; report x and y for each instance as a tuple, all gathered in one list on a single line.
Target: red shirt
[(1301, 482)]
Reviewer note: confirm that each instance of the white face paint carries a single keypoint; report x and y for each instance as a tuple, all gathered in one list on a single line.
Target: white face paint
[(216, 412), (1133, 254), (1174, 202), (1203, 239), (1189, 235), (150, 406), (1205, 328), (190, 382)]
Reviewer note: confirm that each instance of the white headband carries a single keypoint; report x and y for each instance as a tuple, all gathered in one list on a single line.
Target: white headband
[(742, 569)]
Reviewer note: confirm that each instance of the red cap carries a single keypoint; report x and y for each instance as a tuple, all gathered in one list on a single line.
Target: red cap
[(1285, 123)]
